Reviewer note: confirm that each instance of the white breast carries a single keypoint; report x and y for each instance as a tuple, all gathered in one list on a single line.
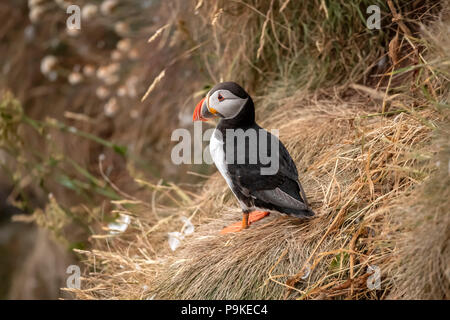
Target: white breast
[(218, 156)]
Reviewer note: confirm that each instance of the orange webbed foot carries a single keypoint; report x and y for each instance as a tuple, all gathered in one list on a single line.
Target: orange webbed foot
[(246, 221), (257, 215), (235, 227)]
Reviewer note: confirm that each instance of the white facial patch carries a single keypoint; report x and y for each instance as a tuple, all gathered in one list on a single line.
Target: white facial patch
[(225, 103)]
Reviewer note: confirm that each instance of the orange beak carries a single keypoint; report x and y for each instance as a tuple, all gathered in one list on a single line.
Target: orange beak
[(198, 112)]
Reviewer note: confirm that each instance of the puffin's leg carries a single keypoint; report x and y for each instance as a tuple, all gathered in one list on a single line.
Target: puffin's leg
[(245, 222), (238, 226)]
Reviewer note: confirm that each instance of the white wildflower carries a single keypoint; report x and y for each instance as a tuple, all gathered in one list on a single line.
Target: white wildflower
[(111, 107), (63, 4), (89, 11), (102, 72), (36, 14), (133, 54), (124, 45), (75, 78), (113, 68), (122, 28), (73, 32), (122, 91), (116, 55), (108, 6), (33, 3), (107, 71), (88, 70), (112, 79), (131, 85), (48, 64), (102, 92)]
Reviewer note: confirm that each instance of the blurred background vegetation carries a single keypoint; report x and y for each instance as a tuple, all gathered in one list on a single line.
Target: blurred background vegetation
[(79, 151)]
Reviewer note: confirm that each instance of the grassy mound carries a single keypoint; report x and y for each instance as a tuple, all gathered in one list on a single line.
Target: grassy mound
[(421, 268), (354, 175), (364, 150), (357, 168), (364, 114)]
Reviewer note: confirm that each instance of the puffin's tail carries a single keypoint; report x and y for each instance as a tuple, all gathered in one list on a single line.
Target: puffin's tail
[(299, 213)]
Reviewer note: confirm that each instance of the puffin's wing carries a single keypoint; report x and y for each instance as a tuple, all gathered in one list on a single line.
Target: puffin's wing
[(289, 169), (281, 189), (249, 175), (280, 199), (277, 192)]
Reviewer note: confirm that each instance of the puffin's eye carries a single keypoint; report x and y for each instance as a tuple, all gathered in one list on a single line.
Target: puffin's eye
[(220, 97)]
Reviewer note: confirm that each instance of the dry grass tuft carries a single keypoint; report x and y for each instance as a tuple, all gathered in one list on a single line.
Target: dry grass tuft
[(363, 149), (421, 270), (352, 185), (358, 109), (154, 84)]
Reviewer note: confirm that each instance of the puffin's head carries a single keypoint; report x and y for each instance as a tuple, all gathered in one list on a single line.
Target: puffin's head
[(225, 100)]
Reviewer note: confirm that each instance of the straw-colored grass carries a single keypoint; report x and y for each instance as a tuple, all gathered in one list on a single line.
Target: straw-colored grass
[(421, 269), (363, 114), (366, 155), (355, 167), (352, 185)]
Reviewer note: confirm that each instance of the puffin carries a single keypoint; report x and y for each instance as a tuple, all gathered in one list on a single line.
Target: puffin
[(259, 193)]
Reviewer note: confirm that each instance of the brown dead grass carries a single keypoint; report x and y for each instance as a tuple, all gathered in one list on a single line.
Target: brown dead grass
[(352, 185), (355, 167), (421, 270), (361, 160)]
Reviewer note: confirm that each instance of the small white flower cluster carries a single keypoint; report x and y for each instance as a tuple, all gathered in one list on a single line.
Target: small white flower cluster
[(89, 11), (129, 89), (131, 86), (48, 67), (124, 45), (111, 82), (122, 28), (111, 107), (108, 6), (75, 78), (89, 70), (63, 4), (123, 48), (36, 10), (108, 74), (102, 92)]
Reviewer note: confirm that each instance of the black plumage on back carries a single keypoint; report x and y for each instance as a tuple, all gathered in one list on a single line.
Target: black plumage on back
[(280, 192), (261, 174)]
